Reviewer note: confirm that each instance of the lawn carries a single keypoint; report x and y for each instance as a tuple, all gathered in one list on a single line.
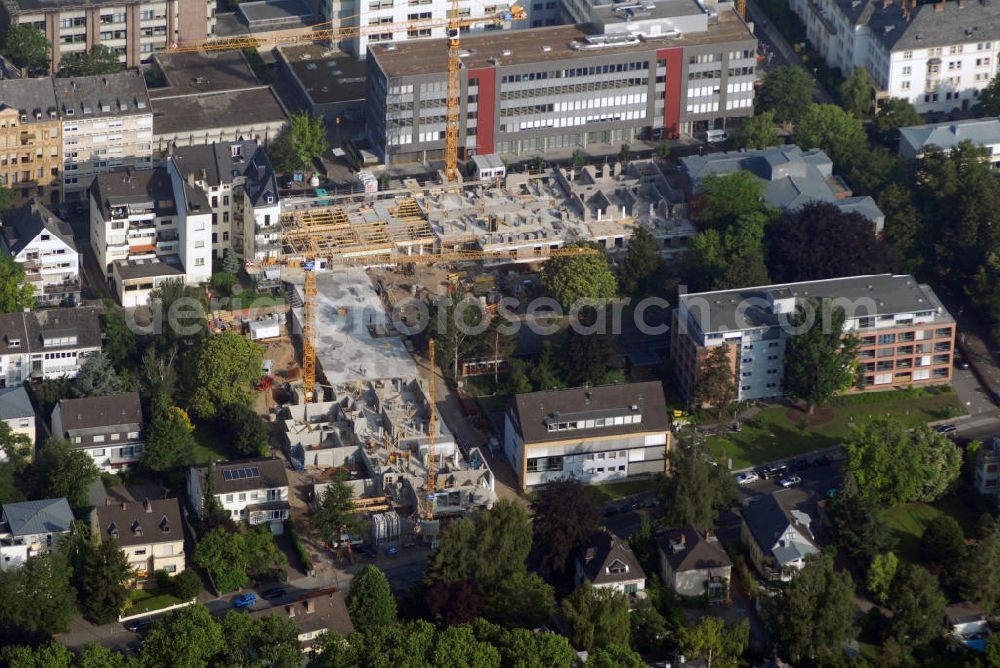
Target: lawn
[(910, 520), (209, 445), (147, 600), (617, 490), (779, 432)]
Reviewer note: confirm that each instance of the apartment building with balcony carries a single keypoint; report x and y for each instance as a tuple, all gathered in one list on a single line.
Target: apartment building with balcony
[(133, 30), (906, 335), (31, 528), (42, 243), (250, 490), (48, 344), (148, 227), (150, 534), (106, 123), (30, 139), (655, 70), (257, 233), (108, 429), (936, 55)]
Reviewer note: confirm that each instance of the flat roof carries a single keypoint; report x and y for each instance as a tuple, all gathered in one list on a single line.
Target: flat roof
[(150, 269), (430, 56), (245, 108), (274, 11), (871, 295), (326, 77), (197, 73)]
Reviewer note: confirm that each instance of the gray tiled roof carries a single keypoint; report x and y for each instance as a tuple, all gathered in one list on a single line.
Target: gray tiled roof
[(36, 517), (535, 409), (318, 610), (693, 553), (134, 186), (270, 473), (979, 131), (215, 163), (22, 225), (978, 20), (603, 550), (102, 95), (28, 328), (149, 522), (95, 412), (29, 96), (767, 518), (14, 403)]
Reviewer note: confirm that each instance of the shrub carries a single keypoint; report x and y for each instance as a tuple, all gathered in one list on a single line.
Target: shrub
[(186, 585), (300, 548)]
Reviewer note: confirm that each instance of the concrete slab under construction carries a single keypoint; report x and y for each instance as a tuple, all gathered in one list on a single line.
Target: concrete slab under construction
[(355, 340)]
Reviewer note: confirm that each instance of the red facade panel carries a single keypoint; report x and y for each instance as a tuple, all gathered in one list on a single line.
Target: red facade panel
[(672, 90), (487, 77)]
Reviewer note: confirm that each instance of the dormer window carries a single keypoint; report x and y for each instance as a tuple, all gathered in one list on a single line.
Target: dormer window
[(617, 568), (136, 528), (165, 525), (13, 343), (113, 530)]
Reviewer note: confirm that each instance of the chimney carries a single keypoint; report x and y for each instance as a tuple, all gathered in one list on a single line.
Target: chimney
[(146, 505), (961, 4), (938, 7), (310, 605), (124, 505), (190, 179), (290, 609), (683, 540)]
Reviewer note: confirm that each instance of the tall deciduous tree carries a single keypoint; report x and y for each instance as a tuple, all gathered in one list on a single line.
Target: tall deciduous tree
[(787, 91), (591, 358), (893, 114), (169, 440), (813, 616), (917, 606), (857, 93), (716, 384), (980, 574), (179, 310), (834, 130), (573, 278), (97, 378), (296, 147), (758, 132), (27, 47), (695, 491), (186, 638), (272, 640), (989, 98), (819, 361), (104, 581), (98, 60), (642, 265), (615, 656), (596, 617), (862, 531), (120, 344), (723, 199), (38, 597), (718, 643), (821, 241), (222, 371), (566, 514), (15, 293), (881, 573), (63, 471), (893, 463), (335, 513), (370, 601), (246, 429)]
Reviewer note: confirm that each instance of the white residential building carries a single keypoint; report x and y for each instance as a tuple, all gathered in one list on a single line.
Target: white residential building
[(985, 132), (250, 490), (936, 55), (31, 528), (107, 428), (148, 227), (777, 536), (257, 230), (43, 244), (47, 344), (106, 123), (607, 562)]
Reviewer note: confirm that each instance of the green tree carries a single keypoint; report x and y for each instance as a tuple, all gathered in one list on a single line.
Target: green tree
[(648, 626), (857, 93), (615, 656), (695, 491), (832, 129), (335, 513), (989, 98), (186, 638), (880, 575), (894, 113), (574, 278), (96, 656), (222, 372), (546, 374), (894, 464), (179, 310), (158, 375), (525, 648), (943, 541), (186, 584), (272, 640), (105, 579), (61, 470), (993, 650), (591, 358), (50, 655), (813, 616), (758, 132), (642, 265), (458, 324), (862, 531), (97, 378), (38, 596), (221, 553), (170, 440), (579, 159), (296, 147), (246, 429), (902, 224), (917, 606), (819, 359), (99, 60), (723, 199), (980, 574), (27, 47), (370, 601), (230, 262), (119, 341), (787, 91), (457, 647), (596, 617), (720, 644), (716, 385), (518, 381), (566, 515), (15, 294)]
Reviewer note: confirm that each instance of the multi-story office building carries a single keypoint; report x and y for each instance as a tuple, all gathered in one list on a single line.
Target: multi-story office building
[(30, 139), (106, 123), (42, 243), (906, 336), (936, 55), (108, 428), (656, 70), (147, 227), (133, 30), (594, 434)]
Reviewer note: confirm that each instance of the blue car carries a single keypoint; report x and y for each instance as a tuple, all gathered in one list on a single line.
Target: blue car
[(244, 601)]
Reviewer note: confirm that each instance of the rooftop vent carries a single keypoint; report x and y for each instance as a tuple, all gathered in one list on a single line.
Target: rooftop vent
[(506, 52), (546, 48)]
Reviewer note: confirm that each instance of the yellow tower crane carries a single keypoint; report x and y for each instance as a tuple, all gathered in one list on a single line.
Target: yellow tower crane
[(425, 506), (326, 32)]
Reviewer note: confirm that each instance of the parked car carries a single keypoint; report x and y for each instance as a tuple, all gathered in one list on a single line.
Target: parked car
[(366, 551), (138, 625), (746, 478), (946, 428), (790, 481), (244, 601), (715, 136), (799, 465), (286, 182), (273, 592), (774, 470), (962, 363)]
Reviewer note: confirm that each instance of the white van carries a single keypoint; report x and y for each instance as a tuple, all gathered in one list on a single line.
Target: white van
[(715, 136)]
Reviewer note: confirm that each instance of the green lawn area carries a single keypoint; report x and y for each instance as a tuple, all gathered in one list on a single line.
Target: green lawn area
[(910, 520), (208, 444), (778, 432), (147, 600), (618, 490)]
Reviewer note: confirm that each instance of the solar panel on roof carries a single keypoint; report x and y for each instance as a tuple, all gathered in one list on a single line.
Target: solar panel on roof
[(254, 472), (227, 475)]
